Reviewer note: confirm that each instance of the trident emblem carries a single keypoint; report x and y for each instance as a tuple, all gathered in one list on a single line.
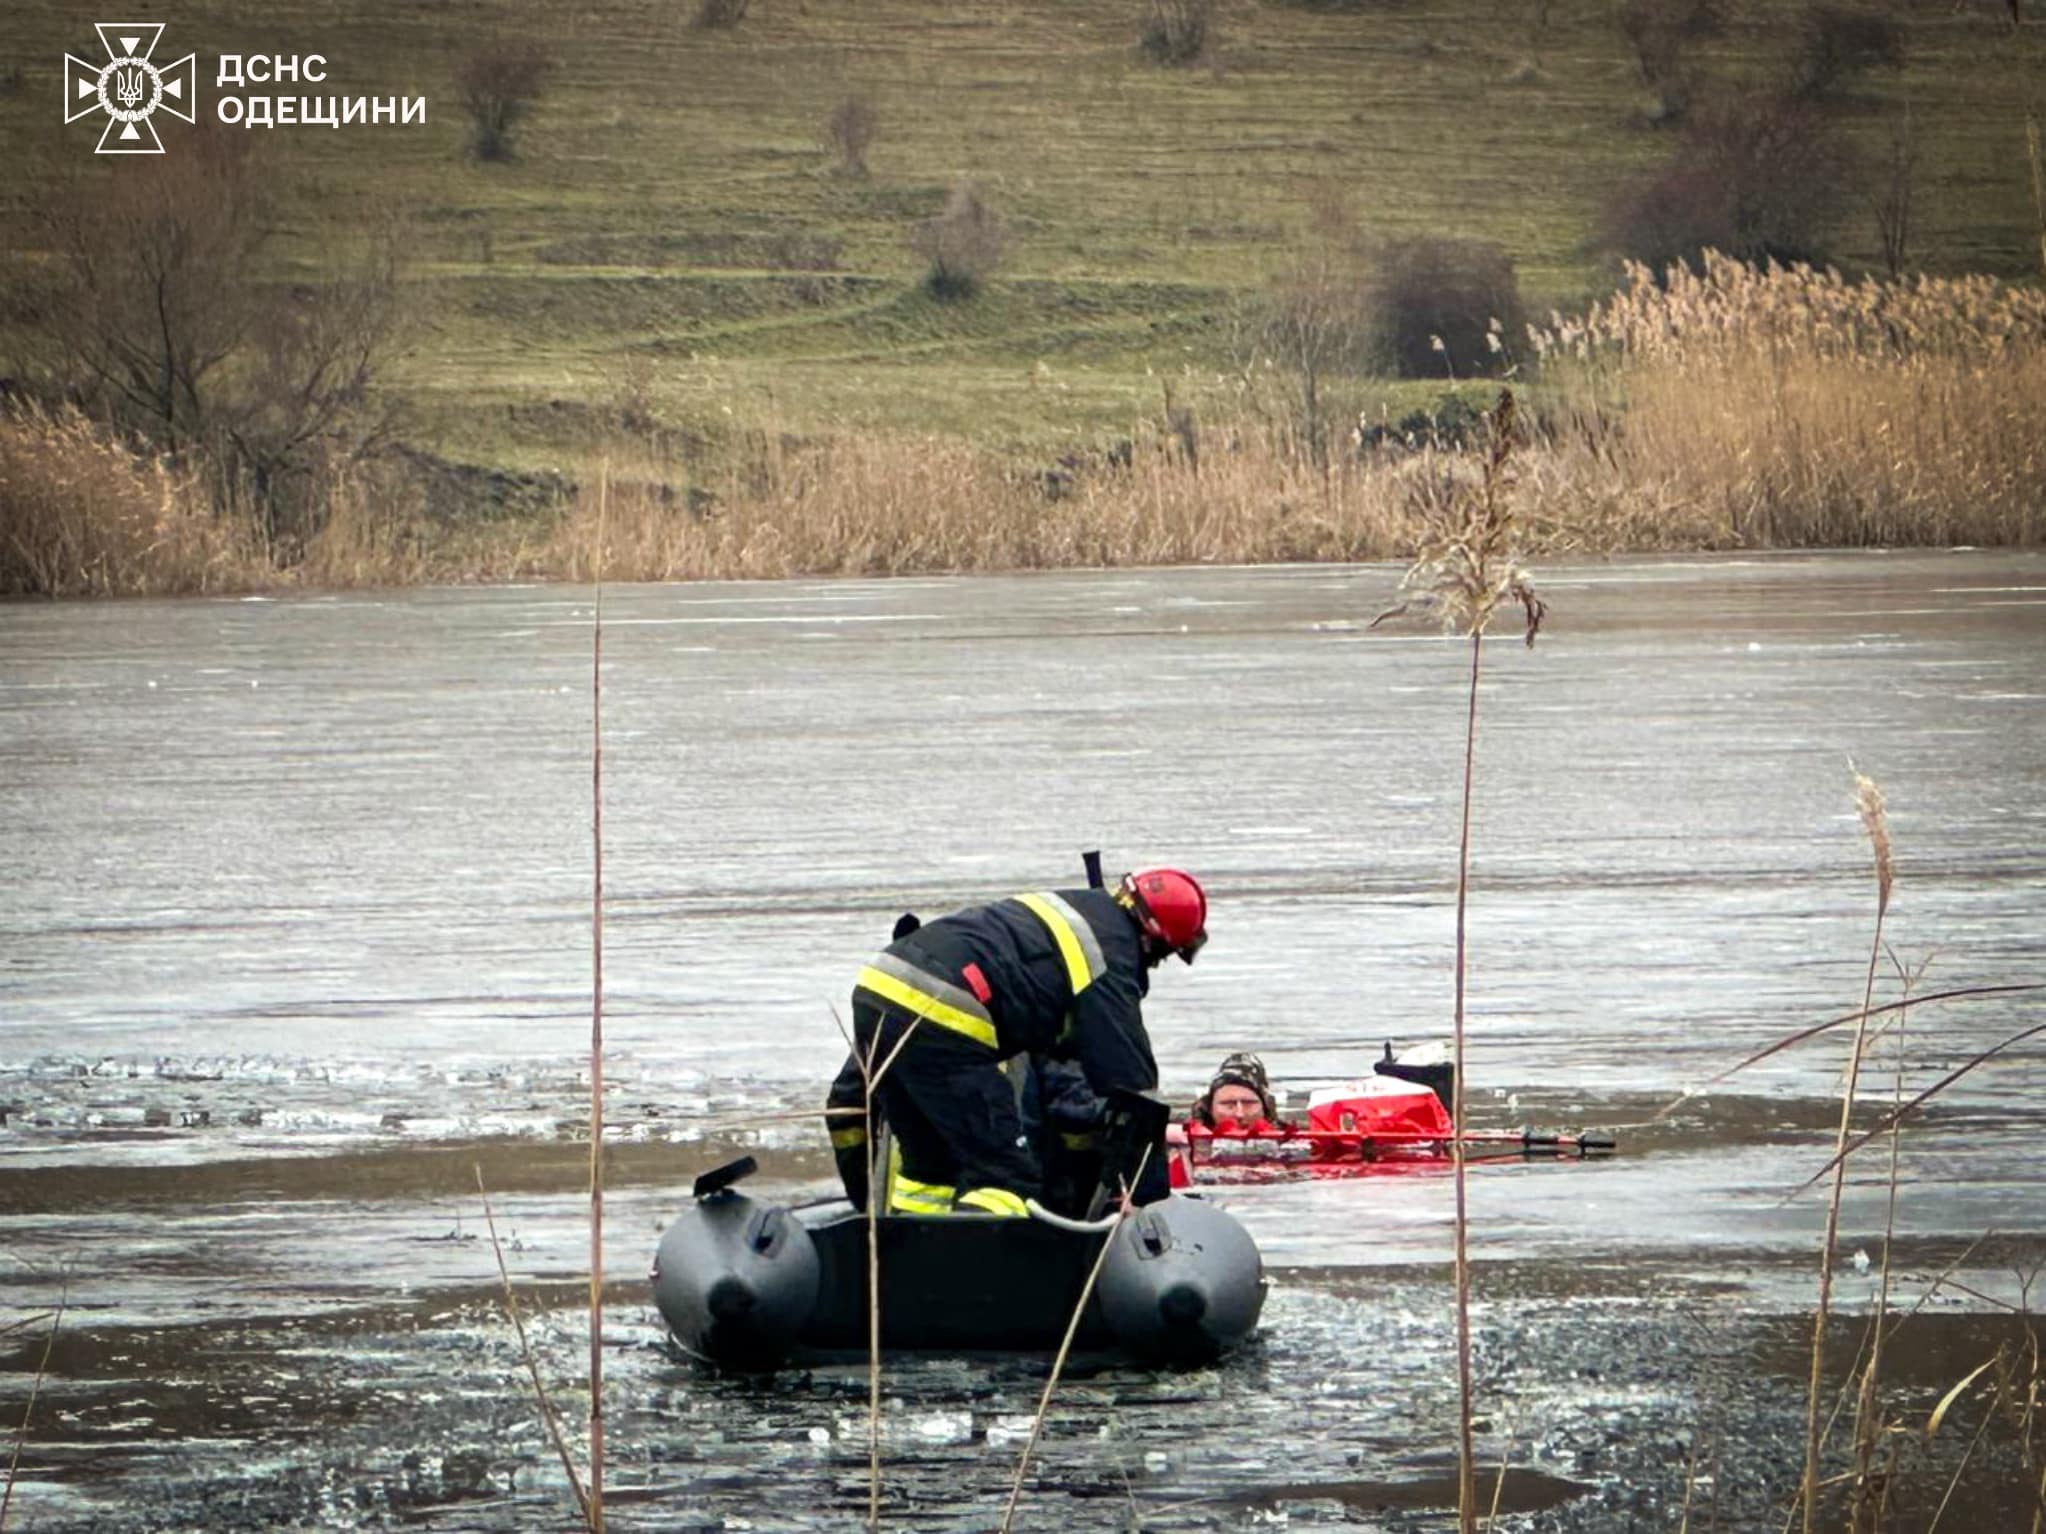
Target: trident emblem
[(129, 88)]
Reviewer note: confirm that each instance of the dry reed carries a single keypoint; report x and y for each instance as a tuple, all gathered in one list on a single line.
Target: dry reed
[(886, 505), (1868, 800), (877, 1183), (549, 1417), (27, 1412), (85, 515), (1803, 1035), (1058, 1363), (1469, 567), (596, 1502), (1729, 407), (1868, 1423), (1736, 407), (1890, 1120)]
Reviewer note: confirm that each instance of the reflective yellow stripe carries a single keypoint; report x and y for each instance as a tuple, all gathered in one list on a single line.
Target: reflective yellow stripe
[(845, 1139), (927, 1006), (994, 1201), (1086, 1140), (1068, 940), (908, 1196)]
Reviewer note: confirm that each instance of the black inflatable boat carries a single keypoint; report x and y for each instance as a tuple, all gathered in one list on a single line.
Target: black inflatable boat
[(752, 1285)]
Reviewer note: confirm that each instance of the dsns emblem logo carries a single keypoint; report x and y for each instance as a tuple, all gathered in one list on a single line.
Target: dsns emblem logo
[(129, 88)]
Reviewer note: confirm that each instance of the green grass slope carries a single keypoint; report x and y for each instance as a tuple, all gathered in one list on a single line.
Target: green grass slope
[(673, 225)]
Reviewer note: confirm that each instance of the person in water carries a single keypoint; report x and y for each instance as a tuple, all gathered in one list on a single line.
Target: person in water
[(1238, 1099), (1061, 974)]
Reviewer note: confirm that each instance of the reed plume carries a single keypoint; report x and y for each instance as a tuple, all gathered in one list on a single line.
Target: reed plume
[(1468, 568), (1868, 802)]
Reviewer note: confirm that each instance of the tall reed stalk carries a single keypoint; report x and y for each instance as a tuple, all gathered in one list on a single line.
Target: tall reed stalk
[(549, 1417), (1874, 819), (1468, 567), (1466, 1466), (1868, 1419), (1058, 1363), (596, 1503), (35, 1389), (877, 1186)]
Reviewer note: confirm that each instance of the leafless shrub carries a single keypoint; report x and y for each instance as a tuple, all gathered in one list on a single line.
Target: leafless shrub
[(1660, 33), (1753, 177), (1175, 31), (1836, 43), (499, 82), (1441, 306), (1890, 194), (849, 132), (1311, 323), (964, 244), (713, 14), (160, 316)]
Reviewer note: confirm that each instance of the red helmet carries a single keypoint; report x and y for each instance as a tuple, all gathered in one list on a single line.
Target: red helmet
[(1169, 906)]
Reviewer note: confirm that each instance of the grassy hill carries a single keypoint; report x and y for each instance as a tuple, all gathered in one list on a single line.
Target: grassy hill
[(673, 229)]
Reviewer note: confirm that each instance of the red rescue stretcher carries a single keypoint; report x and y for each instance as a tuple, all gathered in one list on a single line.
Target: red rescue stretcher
[(1375, 1125)]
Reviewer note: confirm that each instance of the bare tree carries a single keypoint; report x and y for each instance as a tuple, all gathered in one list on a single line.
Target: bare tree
[(1754, 176), (850, 130), (1836, 43), (141, 308), (1313, 322), (1890, 198), (499, 82), (1660, 33), (159, 316), (963, 244)]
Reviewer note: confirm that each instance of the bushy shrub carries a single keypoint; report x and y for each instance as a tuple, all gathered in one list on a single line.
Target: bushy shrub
[(713, 14), (1836, 43), (1175, 31), (499, 82), (1754, 177), (963, 244), (1440, 307)]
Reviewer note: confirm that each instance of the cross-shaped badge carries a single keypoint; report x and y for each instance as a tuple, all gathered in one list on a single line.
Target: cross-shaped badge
[(128, 88)]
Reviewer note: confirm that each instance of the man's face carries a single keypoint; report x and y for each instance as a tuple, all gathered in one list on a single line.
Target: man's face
[(1234, 1105)]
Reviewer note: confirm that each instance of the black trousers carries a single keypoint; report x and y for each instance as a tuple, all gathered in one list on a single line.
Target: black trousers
[(945, 1098)]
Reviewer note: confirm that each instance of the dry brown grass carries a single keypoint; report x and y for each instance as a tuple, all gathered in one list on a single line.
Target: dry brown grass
[(1792, 408), (896, 505), (82, 515), (1731, 408)]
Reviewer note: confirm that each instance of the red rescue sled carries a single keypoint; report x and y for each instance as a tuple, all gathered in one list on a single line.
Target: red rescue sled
[(1377, 1124)]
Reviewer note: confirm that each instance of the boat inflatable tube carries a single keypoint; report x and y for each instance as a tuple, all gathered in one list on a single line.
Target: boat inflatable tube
[(749, 1285), (1182, 1281), (736, 1280)]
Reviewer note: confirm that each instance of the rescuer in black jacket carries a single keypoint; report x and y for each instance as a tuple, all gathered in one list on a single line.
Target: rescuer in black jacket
[(1061, 974)]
